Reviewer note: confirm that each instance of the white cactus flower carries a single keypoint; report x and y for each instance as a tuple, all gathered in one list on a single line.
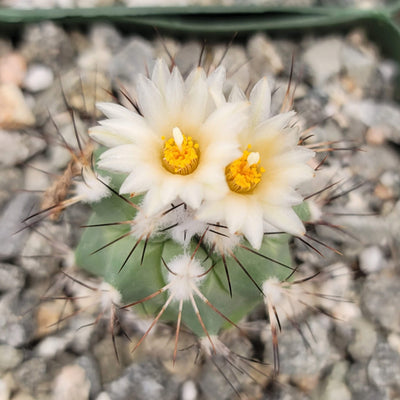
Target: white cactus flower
[(261, 183), (177, 145)]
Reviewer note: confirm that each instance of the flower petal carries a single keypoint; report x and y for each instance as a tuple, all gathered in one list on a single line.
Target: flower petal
[(260, 100)]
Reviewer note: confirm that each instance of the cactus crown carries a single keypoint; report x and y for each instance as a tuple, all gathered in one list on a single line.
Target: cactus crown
[(195, 199)]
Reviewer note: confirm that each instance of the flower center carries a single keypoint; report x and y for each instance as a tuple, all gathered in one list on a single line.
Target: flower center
[(180, 153), (244, 174)]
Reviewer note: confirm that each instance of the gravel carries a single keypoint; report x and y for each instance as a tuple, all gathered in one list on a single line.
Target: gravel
[(62, 348)]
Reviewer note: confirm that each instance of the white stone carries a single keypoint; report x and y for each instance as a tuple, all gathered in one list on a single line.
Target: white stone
[(323, 59), (38, 77), (189, 391), (371, 260)]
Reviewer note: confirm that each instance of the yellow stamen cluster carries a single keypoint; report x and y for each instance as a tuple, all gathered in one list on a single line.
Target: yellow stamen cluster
[(244, 174), (180, 153)]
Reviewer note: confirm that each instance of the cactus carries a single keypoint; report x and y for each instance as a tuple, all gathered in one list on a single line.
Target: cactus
[(195, 200)]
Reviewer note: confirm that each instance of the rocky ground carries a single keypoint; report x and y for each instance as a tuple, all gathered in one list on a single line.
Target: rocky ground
[(346, 346)]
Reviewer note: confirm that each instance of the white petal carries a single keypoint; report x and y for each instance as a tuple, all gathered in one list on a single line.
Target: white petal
[(174, 93), (253, 227), (131, 130), (216, 82), (194, 108), (112, 110), (118, 159), (192, 195), (236, 213), (106, 137), (226, 122), (151, 102), (136, 182), (155, 200), (160, 75), (237, 95), (276, 123), (260, 100), (284, 219)]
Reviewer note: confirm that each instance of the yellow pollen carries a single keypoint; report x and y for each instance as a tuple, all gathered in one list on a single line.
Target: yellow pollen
[(244, 174), (180, 153)]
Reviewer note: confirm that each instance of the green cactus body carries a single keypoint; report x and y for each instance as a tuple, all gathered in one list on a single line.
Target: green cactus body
[(139, 279), (214, 174)]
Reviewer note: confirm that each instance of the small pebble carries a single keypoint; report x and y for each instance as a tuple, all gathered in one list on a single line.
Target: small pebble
[(189, 391), (38, 77), (372, 260), (12, 69), (384, 367), (14, 111), (71, 383)]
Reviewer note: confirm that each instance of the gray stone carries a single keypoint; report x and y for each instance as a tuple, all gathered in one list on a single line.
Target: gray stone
[(284, 392), (11, 277), (187, 57), (393, 223), (9, 357), (296, 359), (361, 388), (334, 386), (359, 66), (217, 385), (58, 51), (311, 107), (322, 59), (89, 364), (38, 256), (377, 301), (147, 381), (264, 55), (16, 318), (384, 366), (19, 208), (372, 113), (136, 57), (31, 374), (10, 181), (105, 35), (237, 68), (364, 340), (18, 147)]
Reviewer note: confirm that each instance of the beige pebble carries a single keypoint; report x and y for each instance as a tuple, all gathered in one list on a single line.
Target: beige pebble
[(71, 383), (376, 135), (14, 112), (51, 316), (383, 192), (12, 69)]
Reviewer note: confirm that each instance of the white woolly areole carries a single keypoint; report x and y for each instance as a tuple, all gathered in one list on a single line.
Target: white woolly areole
[(144, 226), (187, 225), (92, 189), (184, 276), (220, 348), (273, 290), (109, 296), (221, 240)]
